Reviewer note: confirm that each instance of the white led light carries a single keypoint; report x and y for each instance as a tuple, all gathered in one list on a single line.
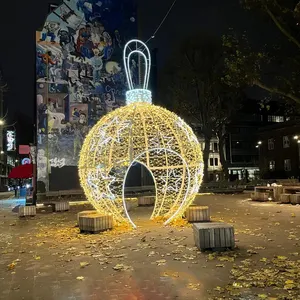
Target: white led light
[(138, 95), (140, 48)]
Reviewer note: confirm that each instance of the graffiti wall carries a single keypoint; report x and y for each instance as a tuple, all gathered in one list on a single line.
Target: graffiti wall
[(80, 77)]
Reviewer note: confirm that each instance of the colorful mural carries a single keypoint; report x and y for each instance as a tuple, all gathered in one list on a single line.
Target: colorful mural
[(80, 77)]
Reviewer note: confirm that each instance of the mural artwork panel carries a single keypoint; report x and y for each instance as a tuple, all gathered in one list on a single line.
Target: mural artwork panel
[(80, 77)]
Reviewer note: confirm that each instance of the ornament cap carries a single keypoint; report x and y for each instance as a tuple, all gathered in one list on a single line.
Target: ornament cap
[(138, 95)]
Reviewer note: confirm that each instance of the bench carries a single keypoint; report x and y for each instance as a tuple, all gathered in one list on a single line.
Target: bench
[(27, 211), (60, 206), (213, 236), (260, 196), (95, 223), (285, 198), (85, 213), (295, 199), (146, 201), (196, 213)]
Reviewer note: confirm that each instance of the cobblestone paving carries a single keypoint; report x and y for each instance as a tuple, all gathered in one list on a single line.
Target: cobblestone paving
[(46, 258)]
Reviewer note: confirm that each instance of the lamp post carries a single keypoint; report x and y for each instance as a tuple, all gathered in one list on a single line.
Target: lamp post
[(259, 143), (297, 138)]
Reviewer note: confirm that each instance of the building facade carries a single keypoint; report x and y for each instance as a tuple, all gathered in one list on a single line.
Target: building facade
[(279, 150), (80, 78), (214, 165)]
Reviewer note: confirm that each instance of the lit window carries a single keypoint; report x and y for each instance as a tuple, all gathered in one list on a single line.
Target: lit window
[(270, 144), (275, 119), (287, 165), (272, 165), (286, 142)]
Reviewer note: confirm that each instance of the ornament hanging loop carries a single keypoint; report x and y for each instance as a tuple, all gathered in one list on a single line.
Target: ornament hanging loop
[(137, 47)]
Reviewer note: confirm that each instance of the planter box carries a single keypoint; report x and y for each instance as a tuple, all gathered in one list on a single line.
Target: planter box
[(146, 201), (214, 235), (27, 211), (95, 223), (197, 214)]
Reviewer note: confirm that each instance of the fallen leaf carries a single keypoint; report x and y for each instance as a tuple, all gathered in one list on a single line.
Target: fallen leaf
[(262, 296), (84, 264), (80, 278)]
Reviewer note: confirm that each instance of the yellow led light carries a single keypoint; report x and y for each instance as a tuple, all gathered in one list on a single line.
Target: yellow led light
[(152, 136)]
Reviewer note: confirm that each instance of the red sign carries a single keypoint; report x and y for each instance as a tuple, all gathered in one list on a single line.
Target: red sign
[(24, 149)]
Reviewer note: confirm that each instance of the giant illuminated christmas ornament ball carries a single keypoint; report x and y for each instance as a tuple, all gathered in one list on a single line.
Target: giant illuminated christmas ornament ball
[(143, 133)]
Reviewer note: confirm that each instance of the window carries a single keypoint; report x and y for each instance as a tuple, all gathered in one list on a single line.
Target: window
[(216, 147), (270, 144), (211, 162), (287, 165), (272, 165), (216, 161), (275, 119), (286, 141)]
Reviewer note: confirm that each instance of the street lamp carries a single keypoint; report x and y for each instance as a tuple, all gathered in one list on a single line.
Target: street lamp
[(2, 152), (2, 122)]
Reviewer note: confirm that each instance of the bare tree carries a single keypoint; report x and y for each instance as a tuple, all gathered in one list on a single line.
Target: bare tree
[(199, 94)]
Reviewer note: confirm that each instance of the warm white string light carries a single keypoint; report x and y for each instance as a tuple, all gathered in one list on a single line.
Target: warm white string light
[(141, 133)]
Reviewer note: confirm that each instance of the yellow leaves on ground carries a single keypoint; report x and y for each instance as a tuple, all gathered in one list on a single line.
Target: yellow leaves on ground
[(11, 266), (194, 286), (80, 278), (170, 274), (121, 267), (280, 273), (84, 264)]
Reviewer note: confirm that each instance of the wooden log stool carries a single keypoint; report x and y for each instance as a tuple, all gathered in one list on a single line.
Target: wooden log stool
[(146, 201), (285, 198), (95, 223), (60, 206), (295, 199), (27, 211), (86, 213), (196, 213), (214, 236)]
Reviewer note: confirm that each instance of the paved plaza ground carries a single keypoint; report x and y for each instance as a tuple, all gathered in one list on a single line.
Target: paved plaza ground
[(47, 258)]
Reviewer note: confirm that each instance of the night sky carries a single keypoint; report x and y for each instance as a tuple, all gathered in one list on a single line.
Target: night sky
[(188, 17)]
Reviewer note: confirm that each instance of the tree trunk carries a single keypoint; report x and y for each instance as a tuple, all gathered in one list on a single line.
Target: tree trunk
[(223, 160), (206, 158)]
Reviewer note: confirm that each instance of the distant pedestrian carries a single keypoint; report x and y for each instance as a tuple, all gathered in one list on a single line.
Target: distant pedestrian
[(16, 191)]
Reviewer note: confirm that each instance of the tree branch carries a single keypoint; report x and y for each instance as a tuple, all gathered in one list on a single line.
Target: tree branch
[(282, 29), (277, 91)]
